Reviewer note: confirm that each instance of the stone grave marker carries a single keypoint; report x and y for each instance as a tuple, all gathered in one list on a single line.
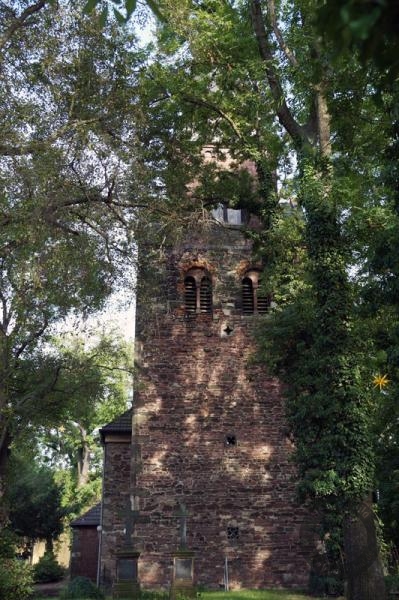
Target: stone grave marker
[(127, 585), (183, 562)]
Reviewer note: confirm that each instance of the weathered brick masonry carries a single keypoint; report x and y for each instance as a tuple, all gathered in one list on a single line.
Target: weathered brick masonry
[(209, 432)]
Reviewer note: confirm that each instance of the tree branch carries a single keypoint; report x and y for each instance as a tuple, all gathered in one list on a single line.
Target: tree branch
[(34, 336), (21, 21), (216, 109), (37, 145), (40, 391), (283, 113), (283, 46)]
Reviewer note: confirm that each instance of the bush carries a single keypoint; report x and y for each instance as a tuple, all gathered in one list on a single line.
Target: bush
[(82, 588), (8, 543), (48, 569), (15, 579), (392, 583), (325, 585)]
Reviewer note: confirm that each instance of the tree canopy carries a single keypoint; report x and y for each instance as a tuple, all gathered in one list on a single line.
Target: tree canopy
[(69, 109)]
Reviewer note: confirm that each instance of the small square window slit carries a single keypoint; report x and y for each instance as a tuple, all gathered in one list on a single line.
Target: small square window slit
[(233, 534)]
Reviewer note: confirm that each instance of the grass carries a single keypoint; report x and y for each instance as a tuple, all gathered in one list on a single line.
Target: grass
[(256, 595), (234, 595), (239, 595)]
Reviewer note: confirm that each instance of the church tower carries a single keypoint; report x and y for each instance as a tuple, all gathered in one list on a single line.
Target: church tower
[(208, 431)]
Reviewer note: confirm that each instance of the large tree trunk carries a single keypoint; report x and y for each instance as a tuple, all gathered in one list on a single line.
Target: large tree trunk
[(364, 574), (4, 454), (49, 545), (83, 464), (5, 437)]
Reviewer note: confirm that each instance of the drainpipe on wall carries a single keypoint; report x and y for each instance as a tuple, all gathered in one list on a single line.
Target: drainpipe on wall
[(226, 574), (100, 528)]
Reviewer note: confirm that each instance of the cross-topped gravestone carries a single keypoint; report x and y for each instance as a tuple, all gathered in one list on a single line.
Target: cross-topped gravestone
[(182, 516), (132, 518), (183, 562), (127, 584)]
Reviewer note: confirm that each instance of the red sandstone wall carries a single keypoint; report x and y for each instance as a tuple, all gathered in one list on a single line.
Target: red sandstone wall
[(196, 387), (200, 390), (116, 484)]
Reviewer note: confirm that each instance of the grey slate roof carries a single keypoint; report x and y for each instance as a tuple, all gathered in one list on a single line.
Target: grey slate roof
[(91, 518), (122, 424)]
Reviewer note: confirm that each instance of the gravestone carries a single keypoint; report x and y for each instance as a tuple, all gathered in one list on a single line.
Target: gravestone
[(127, 585), (183, 562)]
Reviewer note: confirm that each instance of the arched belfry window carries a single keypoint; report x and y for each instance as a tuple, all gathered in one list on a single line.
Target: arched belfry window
[(190, 294), (248, 300), (262, 301), (206, 295), (197, 292), (253, 301)]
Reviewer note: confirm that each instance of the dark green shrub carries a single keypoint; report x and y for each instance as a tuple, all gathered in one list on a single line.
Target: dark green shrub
[(392, 583), (81, 588), (154, 595), (15, 579), (8, 543), (48, 569), (324, 585)]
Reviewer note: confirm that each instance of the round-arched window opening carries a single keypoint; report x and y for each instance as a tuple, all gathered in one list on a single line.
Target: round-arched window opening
[(253, 300), (247, 296), (190, 295), (197, 292), (206, 295)]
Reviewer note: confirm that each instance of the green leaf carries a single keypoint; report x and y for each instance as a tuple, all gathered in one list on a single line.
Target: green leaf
[(103, 16), (119, 17), (345, 14), (361, 27), (90, 6), (130, 6), (155, 9)]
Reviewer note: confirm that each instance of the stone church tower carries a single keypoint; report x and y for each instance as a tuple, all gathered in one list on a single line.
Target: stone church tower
[(208, 427)]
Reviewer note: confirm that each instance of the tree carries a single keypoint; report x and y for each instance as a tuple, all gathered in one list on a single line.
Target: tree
[(62, 438), (72, 182), (69, 108), (36, 510), (92, 389)]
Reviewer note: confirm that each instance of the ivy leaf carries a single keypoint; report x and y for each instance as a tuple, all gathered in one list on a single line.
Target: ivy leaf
[(155, 9), (103, 16), (119, 17), (90, 6), (130, 6)]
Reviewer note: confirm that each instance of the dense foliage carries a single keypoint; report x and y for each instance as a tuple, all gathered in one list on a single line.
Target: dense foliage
[(68, 102), (48, 569), (35, 500), (15, 579), (81, 588)]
